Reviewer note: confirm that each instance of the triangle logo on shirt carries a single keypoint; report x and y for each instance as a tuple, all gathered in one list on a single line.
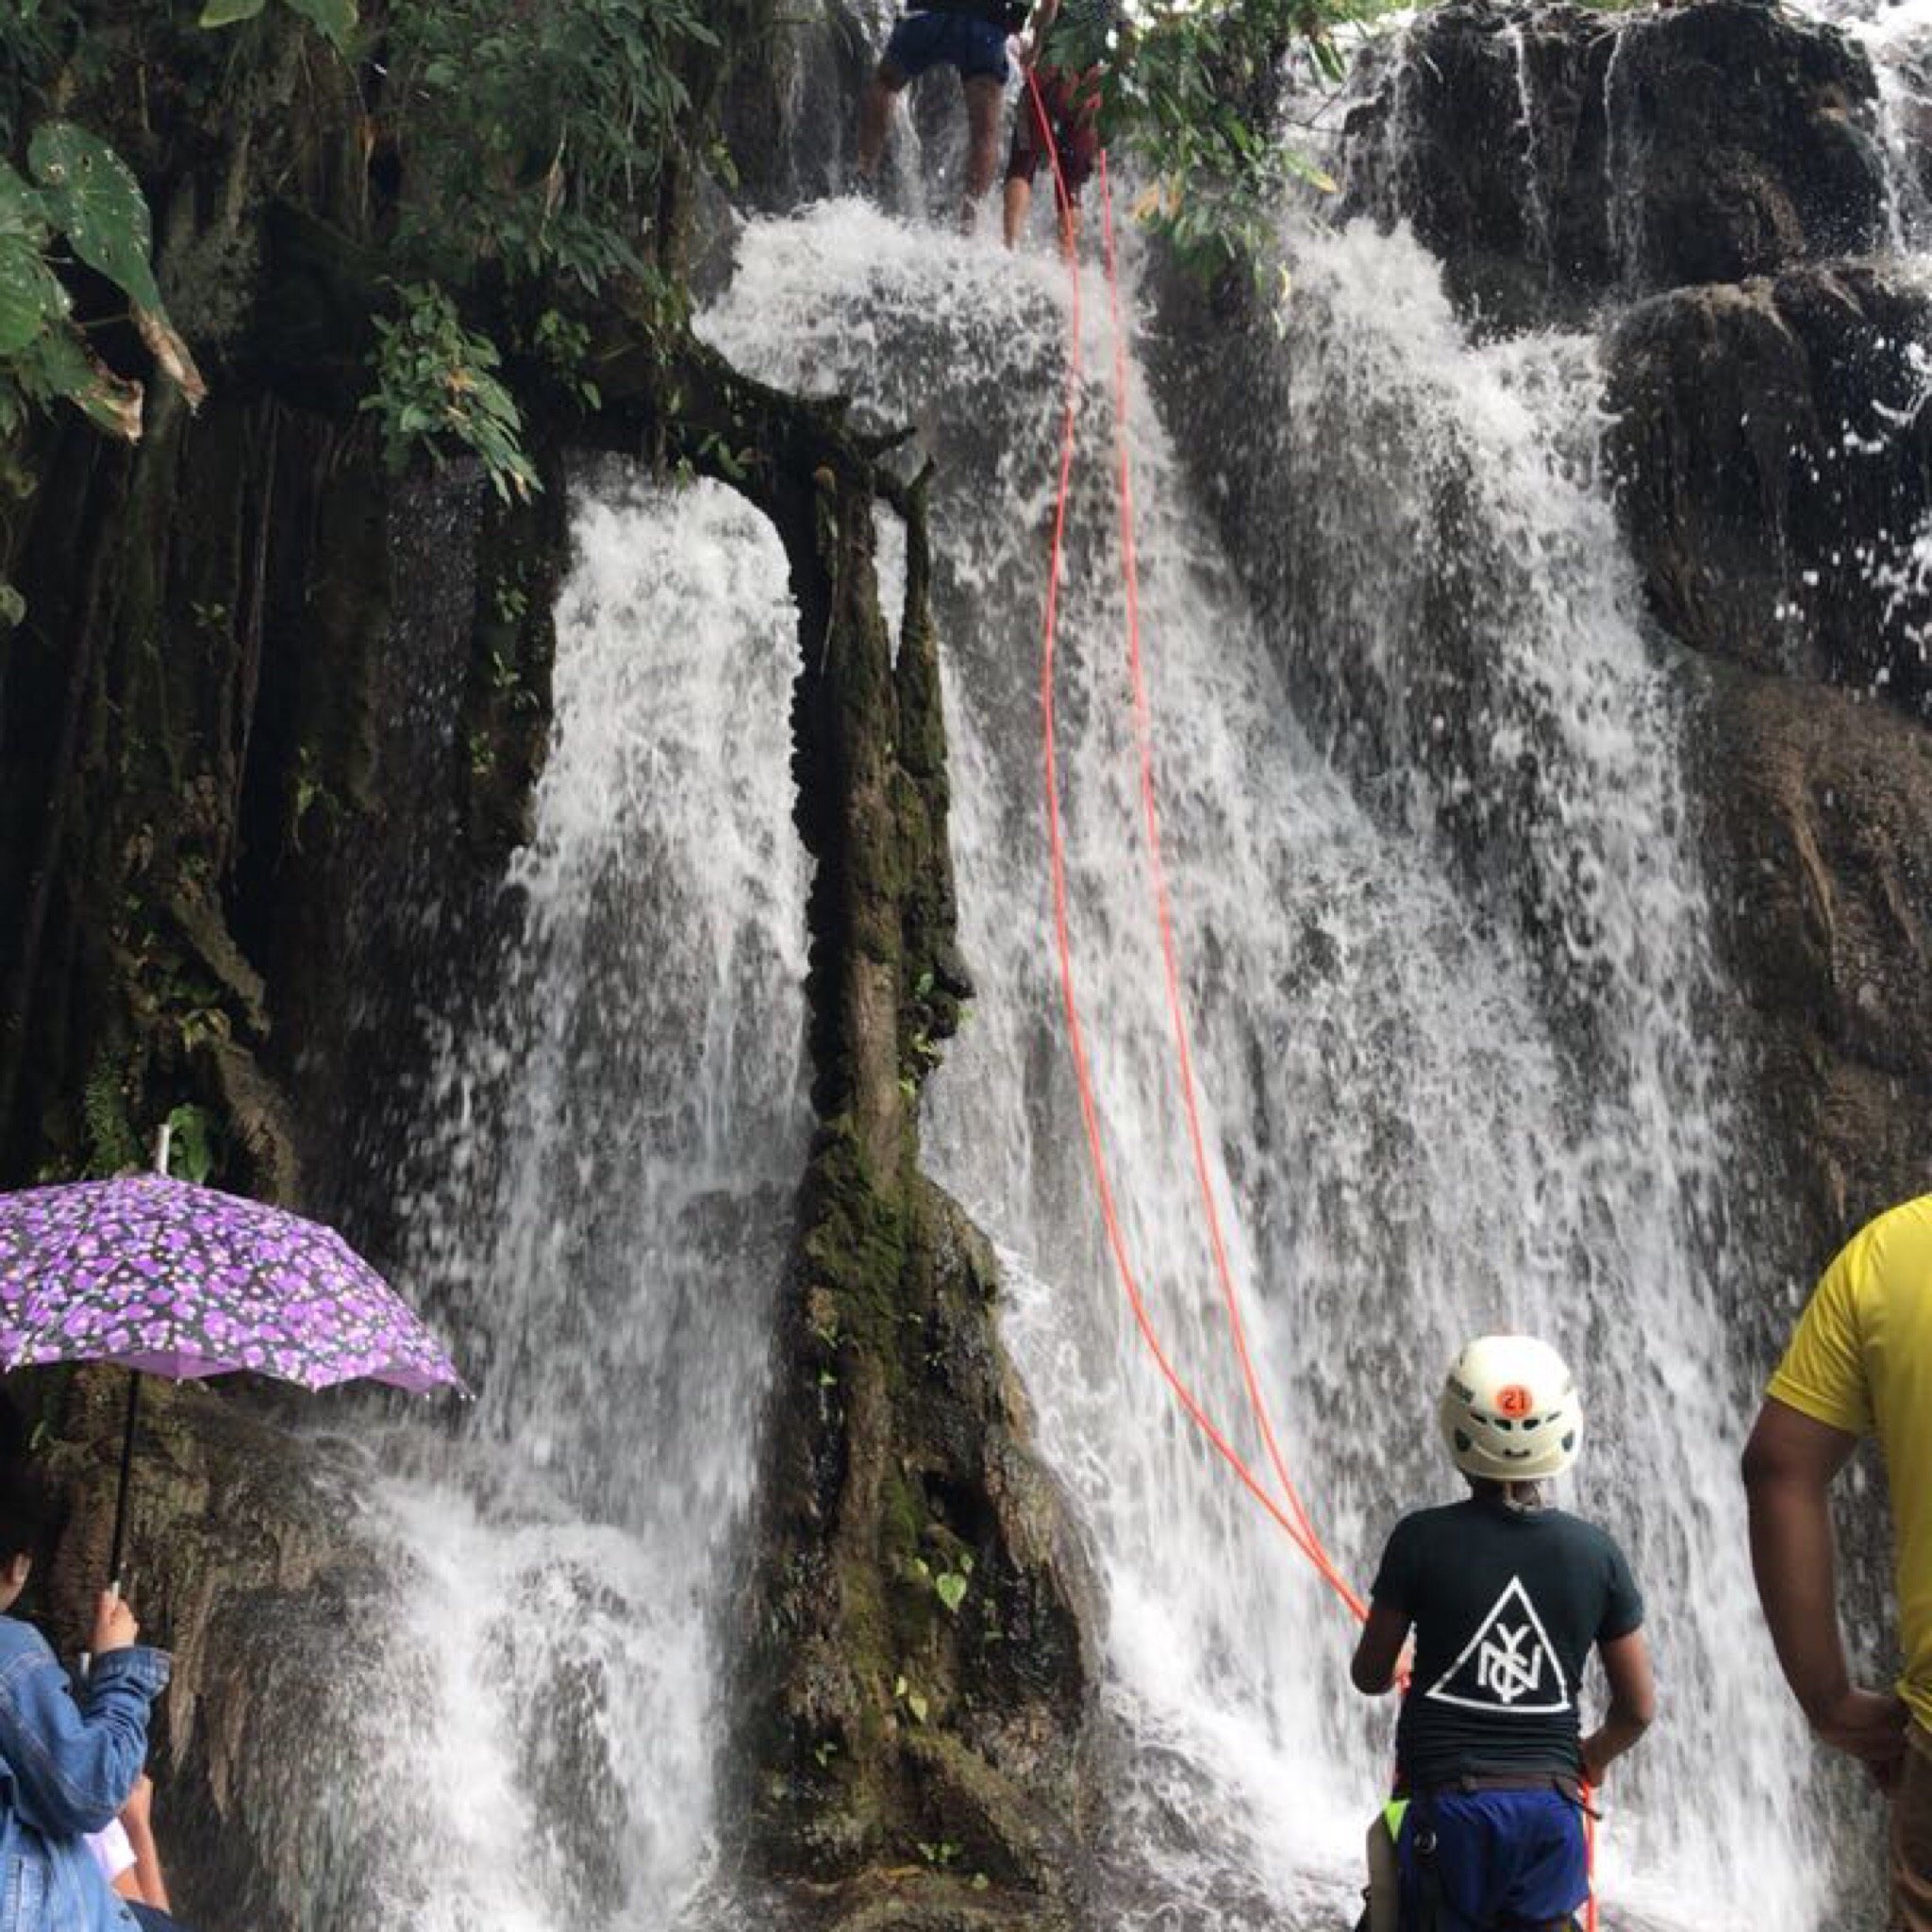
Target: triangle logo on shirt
[(1510, 1667)]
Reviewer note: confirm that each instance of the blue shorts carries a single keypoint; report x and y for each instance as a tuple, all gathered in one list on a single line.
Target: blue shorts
[(976, 47), (1509, 1862)]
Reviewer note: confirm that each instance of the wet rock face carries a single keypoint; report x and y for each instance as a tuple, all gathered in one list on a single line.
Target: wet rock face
[(1774, 448), (1772, 451), (1820, 811), (1552, 155), (920, 1650), (788, 108)]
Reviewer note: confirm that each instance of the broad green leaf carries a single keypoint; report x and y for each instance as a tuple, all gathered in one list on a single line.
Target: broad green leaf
[(21, 211), (335, 18), (951, 1589), (59, 363), (12, 606), (191, 1147), (92, 196), (226, 12), (30, 298)]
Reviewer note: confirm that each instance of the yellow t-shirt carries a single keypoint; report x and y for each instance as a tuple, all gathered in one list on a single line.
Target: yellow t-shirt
[(1861, 1361)]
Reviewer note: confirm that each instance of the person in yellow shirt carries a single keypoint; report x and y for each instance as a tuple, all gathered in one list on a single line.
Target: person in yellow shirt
[(1858, 1364)]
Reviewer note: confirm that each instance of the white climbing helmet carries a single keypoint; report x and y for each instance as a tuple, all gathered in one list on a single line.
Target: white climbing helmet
[(1510, 1412)]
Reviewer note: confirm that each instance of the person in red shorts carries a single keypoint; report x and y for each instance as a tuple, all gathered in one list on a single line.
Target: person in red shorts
[(1060, 112)]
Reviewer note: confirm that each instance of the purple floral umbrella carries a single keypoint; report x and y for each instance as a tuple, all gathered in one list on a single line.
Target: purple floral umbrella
[(169, 1278)]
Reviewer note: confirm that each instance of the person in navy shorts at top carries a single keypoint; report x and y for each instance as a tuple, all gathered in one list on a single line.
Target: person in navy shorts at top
[(1506, 1596), (970, 36)]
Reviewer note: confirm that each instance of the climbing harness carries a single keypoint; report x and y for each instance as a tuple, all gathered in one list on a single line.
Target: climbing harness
[(1293, 1519)]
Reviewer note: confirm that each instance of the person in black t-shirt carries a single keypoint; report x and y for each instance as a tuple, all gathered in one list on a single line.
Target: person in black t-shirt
[(1506, 1596), (969, 36)]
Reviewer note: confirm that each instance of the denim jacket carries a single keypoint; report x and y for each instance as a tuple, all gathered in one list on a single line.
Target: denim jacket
[(67, 1765)]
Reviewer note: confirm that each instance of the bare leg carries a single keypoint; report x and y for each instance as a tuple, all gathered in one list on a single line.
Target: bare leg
[(1069, 228), (874, 113), (985, 97), (1018, 200), (1385, 1882)]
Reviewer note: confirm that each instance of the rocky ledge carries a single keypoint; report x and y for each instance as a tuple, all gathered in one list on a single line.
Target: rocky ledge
[(1555, 155)]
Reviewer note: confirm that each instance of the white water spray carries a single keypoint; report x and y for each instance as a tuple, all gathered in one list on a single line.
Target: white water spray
[(613, 1148)]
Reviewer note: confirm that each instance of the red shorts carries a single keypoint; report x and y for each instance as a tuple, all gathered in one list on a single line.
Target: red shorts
[(1071, 123)]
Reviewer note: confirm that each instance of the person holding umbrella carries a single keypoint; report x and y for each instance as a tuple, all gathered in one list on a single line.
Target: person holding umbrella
[(71, 1755)]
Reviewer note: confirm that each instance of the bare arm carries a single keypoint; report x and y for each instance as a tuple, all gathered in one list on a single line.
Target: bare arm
[(1790, 1464), (1373, 1668), (1633, 1702)]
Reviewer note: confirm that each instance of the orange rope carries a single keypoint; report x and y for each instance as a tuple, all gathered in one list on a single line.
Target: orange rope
[(1090, 1110), (1297, 1525), (1143, 731)]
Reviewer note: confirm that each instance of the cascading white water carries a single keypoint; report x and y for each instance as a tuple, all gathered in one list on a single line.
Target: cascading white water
[(1897, 40), (1449, 1088), (612, 1152)]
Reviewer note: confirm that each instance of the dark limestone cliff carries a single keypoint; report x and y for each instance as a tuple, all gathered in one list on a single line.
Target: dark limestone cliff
[(1775, 456), (1776, 453), (1555, 157)]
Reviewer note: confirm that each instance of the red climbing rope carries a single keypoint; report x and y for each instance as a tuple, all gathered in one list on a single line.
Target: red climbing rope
[(1293, 1519), (1143, 731)]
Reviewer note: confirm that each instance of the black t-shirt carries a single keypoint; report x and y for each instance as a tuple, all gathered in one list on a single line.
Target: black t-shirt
[(1507, 1606)]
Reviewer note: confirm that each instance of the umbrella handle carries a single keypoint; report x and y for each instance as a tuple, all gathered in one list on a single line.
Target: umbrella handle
[(119, 1544)]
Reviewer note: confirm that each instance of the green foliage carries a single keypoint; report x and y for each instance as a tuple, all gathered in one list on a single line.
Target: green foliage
[(540, 132), (562, 347), (86, 196), (83, 199), (90, 193), (191, 1143), (914, 1700), (436, 385), (110, 1141), (1188, 90), (949, 1586), (335, 19)]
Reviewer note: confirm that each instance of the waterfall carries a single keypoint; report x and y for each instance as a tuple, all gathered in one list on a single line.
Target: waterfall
[(1897, 41), (598, 1212), (1454, 1007)]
